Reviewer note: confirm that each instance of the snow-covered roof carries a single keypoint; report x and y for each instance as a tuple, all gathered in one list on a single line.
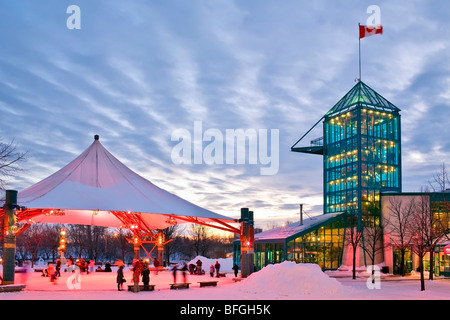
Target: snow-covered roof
[(95, 186), (295, 228)]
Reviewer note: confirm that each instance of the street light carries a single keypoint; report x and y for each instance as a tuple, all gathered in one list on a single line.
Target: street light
[(62, 245)]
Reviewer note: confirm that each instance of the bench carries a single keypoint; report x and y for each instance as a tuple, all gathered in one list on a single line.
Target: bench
[(174, 286), (222, 274), (150, 287), (11, 287), (237, 279), (208, 284)]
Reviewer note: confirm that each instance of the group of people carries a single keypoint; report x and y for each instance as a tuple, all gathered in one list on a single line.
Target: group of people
[(196, 268), (140, 269), (52, 272), (216, 268), (183, 269)]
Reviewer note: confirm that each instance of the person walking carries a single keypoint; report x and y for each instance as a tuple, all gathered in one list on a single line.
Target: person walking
[(120, 278), (235, 269), (217, 267)]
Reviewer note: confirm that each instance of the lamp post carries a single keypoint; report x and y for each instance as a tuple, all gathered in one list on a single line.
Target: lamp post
[(62, 245), (161, 242)]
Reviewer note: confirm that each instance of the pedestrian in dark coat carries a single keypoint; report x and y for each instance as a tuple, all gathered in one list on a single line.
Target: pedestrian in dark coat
[(120, 278), (199, 267), (236, 269), (58, 267), (145, 275), (217, 266)]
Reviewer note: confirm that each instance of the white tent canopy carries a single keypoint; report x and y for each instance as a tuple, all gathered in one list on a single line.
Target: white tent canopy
[(97, 189)]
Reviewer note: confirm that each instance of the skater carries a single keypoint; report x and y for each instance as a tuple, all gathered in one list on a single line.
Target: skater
[(145, 276), (51, 273), (120, 278), (174, 272), (211, 270), (156, 265), (58, 268), (70, 261), (184, 269), (217, 267), (91, 265)]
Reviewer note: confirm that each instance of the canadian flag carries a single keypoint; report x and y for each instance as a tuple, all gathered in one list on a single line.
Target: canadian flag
[(365, 31)]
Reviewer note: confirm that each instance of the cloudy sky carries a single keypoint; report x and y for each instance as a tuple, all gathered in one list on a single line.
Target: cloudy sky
[(138, 71)]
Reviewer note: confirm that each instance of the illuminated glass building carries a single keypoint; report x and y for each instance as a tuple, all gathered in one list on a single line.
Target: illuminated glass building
[(362, 171), (361, 149)]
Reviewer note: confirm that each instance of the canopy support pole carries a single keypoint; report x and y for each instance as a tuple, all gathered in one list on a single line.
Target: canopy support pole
[(247, 243), (9, 246)]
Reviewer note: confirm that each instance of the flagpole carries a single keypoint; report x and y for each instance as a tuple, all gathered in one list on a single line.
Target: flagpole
[(359, 43)]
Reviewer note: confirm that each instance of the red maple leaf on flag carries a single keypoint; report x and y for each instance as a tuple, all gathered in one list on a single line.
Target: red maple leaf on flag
[(365, 31)]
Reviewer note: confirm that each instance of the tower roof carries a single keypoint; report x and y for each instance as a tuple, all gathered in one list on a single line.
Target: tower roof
[(362, 95)]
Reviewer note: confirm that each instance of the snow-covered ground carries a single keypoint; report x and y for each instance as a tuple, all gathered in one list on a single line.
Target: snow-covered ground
[(285, 281)]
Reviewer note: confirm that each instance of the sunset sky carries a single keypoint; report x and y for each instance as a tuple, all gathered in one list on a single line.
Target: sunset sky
[(138, 71)]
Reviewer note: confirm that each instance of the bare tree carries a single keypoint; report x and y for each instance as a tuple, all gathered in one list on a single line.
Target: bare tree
[(9, 166), (170, 248), (440, 181), (50, 241), (396, 225), (9, 161), (421, 228), (372, 237), (439, 228), (199, 234), (31, 240), (353, 235)]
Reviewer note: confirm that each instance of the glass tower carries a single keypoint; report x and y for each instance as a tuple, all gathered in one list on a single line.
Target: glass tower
[(361, 148)]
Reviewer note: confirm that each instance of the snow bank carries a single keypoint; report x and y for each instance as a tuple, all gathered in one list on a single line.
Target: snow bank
[(290, 278), (225, 264)]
